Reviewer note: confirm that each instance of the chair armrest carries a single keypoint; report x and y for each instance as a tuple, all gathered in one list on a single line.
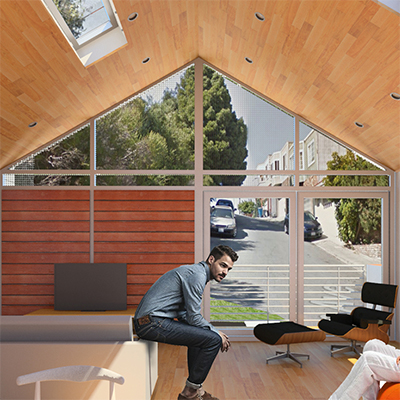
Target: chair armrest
[(365, 322), (342, 318)]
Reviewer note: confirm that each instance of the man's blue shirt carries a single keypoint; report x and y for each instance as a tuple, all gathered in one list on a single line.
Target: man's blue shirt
[(178, 294)]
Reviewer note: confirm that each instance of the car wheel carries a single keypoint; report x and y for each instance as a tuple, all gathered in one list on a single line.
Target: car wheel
[(286, 229), (234, 233)]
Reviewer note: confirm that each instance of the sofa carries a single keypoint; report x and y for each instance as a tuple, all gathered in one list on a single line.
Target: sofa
[(33, 343)]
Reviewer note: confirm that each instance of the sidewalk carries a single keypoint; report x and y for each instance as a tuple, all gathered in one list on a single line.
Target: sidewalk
[(344, 254)]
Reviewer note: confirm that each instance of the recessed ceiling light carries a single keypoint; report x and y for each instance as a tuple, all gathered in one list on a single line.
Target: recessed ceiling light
[(358, 124), (146, 60), (249, 60), (395, 96), (32, 124), (133, 16), (259, 16)]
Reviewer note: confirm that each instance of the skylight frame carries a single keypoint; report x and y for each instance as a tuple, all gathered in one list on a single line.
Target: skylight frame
[(88, 36), (97, 43)]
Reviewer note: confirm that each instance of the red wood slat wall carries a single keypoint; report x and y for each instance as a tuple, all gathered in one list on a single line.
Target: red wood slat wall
[(152, 231), (40, 228)]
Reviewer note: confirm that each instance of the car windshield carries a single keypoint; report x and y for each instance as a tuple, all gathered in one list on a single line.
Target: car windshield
[(225, 203), (308, 216), (221, 213)]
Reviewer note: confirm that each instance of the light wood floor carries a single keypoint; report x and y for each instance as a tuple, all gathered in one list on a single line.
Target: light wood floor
[(242, 373)]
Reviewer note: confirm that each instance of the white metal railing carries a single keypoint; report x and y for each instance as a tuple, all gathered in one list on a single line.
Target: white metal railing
[(261, 292), (331, 289), (252, 292)]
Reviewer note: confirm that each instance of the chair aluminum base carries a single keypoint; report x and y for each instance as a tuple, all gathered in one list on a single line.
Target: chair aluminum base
[(345, 348), (288, 354)]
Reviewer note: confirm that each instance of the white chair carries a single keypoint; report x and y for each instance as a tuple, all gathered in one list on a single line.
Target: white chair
[(75, 373)]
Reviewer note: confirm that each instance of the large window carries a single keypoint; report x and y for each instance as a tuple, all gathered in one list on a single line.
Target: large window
[(64, 163), (242, 131), (233, 144)]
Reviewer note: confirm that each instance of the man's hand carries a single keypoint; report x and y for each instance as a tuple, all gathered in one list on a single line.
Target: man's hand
[(225, 342)]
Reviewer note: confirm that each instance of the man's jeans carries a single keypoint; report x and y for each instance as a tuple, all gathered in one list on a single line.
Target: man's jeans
[(203, 344)]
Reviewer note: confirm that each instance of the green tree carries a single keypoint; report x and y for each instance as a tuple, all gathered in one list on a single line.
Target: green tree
[(247, 207), (224, 135), (72, 13), (359, 220), (147, 135), (71, 153)]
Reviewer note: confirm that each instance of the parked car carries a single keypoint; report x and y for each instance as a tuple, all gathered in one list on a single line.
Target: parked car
[(312, 227), (223, 221), (225, 202)]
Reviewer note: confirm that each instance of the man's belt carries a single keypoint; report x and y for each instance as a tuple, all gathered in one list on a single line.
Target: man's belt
[(144, 320)]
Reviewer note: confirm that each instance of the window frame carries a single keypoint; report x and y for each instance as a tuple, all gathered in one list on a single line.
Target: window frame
[(311, 153), (95, 47)]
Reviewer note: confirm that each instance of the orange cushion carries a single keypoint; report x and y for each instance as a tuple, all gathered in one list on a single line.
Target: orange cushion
[(389, 391)]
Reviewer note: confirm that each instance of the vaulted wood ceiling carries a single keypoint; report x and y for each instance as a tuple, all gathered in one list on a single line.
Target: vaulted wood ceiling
[(331, 62)]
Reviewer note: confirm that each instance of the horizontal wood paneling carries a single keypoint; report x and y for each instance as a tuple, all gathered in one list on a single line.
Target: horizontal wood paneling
[(22, 300), (144, 195), (40, 228), (143, 205), (144, 248), (27, 269), (166, 259), (152, 231), (144, 226), (141, 216), (28, 279), (46, 247), (46, 205), (46, 236), (47, 195), (48, 215), (45, 226), (52, 258), (144, 236)]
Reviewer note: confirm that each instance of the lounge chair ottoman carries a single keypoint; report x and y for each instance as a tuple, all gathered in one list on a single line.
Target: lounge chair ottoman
[(287, 333)]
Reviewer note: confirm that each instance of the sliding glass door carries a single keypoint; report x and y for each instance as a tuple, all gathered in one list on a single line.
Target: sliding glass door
[(341, 247), (258, 289)]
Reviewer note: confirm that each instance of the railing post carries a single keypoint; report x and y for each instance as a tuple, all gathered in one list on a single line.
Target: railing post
[(338, 293), (268, 293)]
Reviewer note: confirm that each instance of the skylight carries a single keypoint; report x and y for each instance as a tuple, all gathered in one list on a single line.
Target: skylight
[(85, 19), (91, 26)]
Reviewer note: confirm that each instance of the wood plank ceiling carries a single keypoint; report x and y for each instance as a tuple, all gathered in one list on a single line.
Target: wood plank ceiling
[(332, 62)]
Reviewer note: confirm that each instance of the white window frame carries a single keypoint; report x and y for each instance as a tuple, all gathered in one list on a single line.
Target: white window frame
[(311, 153), (92, 47)]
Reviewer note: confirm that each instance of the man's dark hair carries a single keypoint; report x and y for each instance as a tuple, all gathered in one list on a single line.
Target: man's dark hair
[(221, 250)]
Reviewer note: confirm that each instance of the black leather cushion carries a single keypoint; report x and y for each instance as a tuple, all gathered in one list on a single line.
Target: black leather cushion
[(334, 328), (271, 333), (379, 293), (360, 313)]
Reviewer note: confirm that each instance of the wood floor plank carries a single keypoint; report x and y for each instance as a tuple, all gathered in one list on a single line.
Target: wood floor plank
[(242, 373)]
